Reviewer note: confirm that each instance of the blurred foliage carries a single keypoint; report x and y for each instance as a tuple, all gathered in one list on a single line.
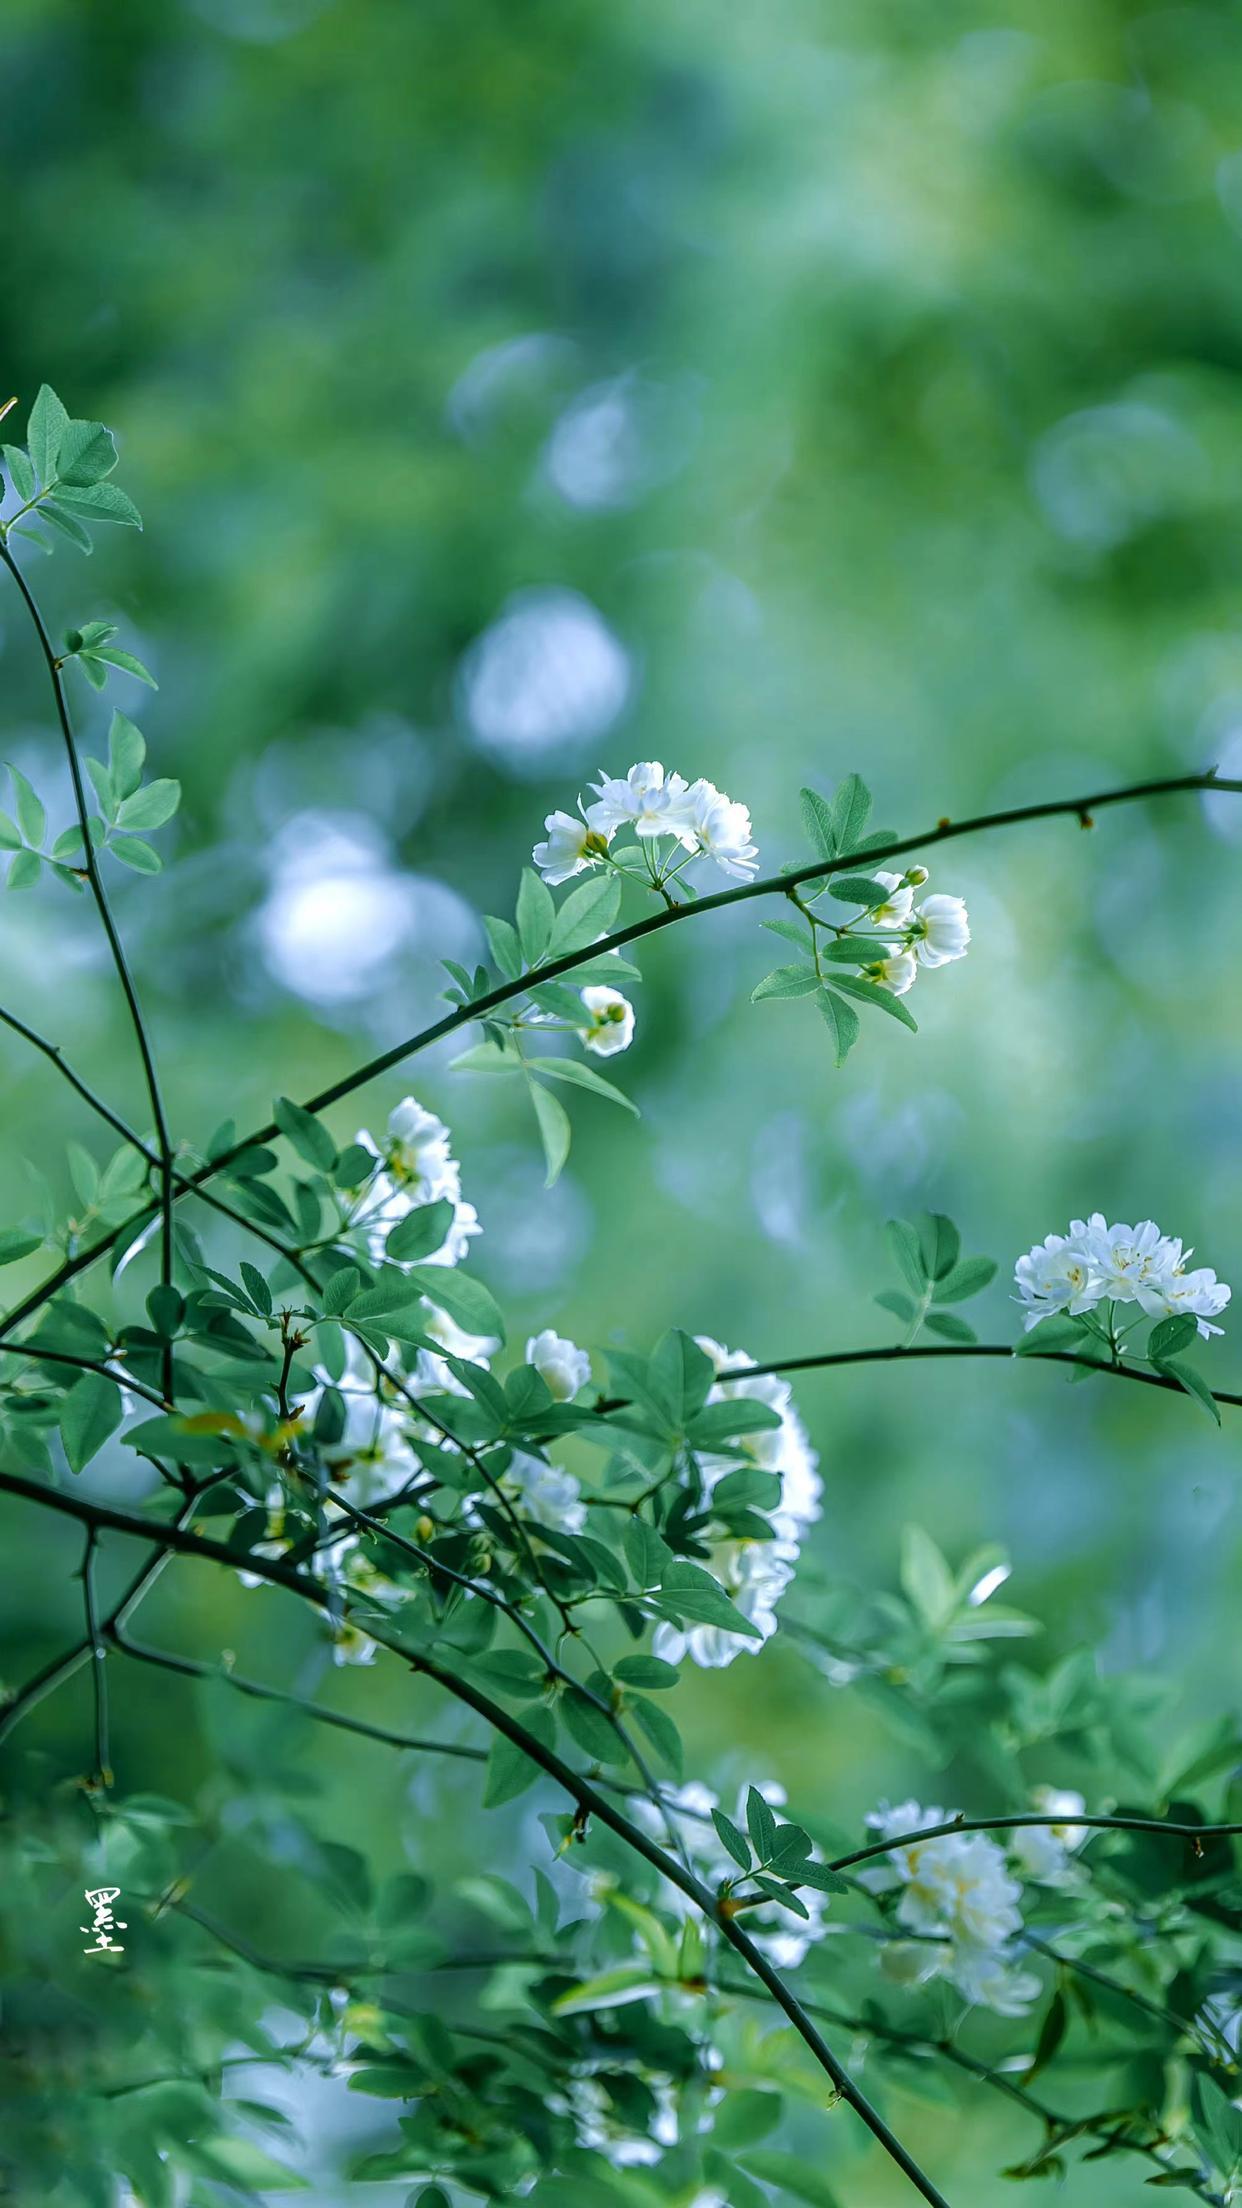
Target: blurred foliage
[(922, 335)]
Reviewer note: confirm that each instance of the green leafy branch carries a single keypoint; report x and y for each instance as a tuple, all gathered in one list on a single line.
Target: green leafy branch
[(60, 475)]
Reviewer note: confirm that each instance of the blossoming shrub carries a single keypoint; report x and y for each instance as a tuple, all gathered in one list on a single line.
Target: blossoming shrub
[(683, 1990)]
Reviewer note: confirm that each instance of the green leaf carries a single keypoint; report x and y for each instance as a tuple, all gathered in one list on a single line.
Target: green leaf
[(733, 1841), (892, 1299), (660, 1731), (23, 476), (952, 1329), (137, 854), (308, 1135), (125, 661), (127, 750), (786, 981), (256, 1288), (761, 1824), (851, 810), (818, 822), (858, 889), (874, 992), (646, 1671), (45, 432), (65, 523), (555, 1131), (103, 501), (610, 1990), (793, 2174), (104, 791), (908, 1251), (587, 913), (10, 838), (1171, 1335), (31, 817), (340, 1290), (822, 1878), (926, 1578), (841, 1021), (14, 1245), (87, 453), (90, 1413), (536, 914), (24, 870), (582, 1077), (509, 1769), (421, 1233), (590, 1728), (150, 806), (646, 1552), (941, 1244), (680, 1375), (1187, 1378), (467, 1301), (965, 1279), (504, 946)]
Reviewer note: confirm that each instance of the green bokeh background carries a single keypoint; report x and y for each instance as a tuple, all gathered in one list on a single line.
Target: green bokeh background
[(930, 321)]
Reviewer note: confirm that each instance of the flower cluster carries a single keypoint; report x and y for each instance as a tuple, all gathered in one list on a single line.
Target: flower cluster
[(753, 1573), (1095, 1263), (901, 936), (415, 1167), (694, 818), (959, 1897)]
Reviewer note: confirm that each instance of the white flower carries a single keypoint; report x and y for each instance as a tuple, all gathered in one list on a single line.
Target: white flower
[(563, 1366), (571, 846), (895, 970), (418, 1153), (895, 911), (417, 1167), (1042, 1851), (648, 801), (956, 1891), (1133, 1264), (940, 930), (1201, 1294), (1057, 1275), (611, 1026), (350, 1645), (546, 1494), (720, 828), (753, 1573)]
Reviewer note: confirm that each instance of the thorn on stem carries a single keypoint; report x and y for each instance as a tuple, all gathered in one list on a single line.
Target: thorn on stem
[(1086, 820)]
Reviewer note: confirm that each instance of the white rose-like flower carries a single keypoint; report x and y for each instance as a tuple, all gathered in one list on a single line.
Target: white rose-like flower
[(958, 1895), (896, 970), (560, 1364), (1201, 1294), (547, 1495), (1042, 1851), (611, 1025), (720, 828), (1133, 1263), (897, 907), (940, 930), (350, 1645), (647, 802), (1057, 1275), (570, 847)]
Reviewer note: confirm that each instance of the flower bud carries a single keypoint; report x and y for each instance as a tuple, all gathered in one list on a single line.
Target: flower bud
[(916, 876)]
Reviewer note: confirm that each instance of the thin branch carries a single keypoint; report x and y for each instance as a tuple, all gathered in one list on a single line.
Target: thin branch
[(1196, 1834), (899, 1353), (91, 866), (1081, 808), (83, 1364), (102, 1775)]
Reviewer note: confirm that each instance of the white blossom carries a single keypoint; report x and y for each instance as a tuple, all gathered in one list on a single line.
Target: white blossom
[(611, 1025), (1043, 1851), (560, 1364), (647, 801), (571, 846), (753, 1573), (1057, 1275), (940, 930), (896, 910), (1098, 1263), (545, 1493), (719, 827), (895, 970), (956, 1893)]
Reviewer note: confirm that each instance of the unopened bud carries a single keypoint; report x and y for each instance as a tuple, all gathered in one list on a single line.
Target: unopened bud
[(916, 876), (425, 1528)]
